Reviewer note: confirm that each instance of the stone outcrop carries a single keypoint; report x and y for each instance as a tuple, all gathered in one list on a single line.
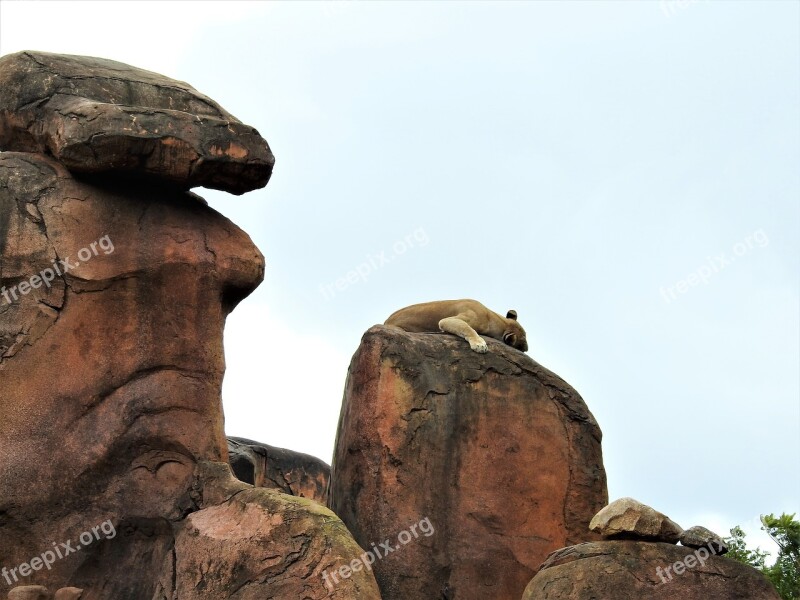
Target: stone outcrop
[(293, 473), (499, 454), (631, 570), (100, 116), (39, 592), (113, 300), (700, 537), (30, 592), (629, 519), (253, 543)]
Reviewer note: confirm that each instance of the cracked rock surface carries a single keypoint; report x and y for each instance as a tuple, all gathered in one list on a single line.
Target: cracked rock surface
[(100, 116), (500, 454), (110, 379), (629, 570)]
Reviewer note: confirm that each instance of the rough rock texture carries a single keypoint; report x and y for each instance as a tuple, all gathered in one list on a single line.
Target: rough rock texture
[(700, 537), (291, 472), (629, 519), (112, 371), (243, 537), (95, 116), (629, 570), (501, 455), (29, 592), (38, 592)]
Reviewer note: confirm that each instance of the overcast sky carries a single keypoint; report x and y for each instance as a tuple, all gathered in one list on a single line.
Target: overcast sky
[(624, 175)]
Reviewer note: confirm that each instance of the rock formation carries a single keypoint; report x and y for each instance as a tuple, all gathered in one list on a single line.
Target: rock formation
[(291, 472), (100, 116), (700, 537), (114, 289), (629, 519), (632, 570), (39, 592), (499, 454)]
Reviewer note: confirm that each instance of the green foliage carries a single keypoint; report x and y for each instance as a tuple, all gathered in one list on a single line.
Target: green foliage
[(737, 550), (785, 573)]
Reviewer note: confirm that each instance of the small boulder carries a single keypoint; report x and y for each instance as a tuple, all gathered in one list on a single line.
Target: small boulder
[(29, 592), (629, 519), (700, 537)]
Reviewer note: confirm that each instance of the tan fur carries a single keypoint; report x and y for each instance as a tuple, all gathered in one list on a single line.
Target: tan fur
[(468, 319)]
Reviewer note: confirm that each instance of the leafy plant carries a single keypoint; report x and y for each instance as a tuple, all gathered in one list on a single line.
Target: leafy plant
[(785, 572)]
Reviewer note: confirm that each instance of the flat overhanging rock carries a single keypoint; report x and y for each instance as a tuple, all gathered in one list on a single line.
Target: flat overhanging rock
[(97, 116)]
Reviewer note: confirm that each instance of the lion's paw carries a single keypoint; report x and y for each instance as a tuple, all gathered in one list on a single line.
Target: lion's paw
[(479, 346)]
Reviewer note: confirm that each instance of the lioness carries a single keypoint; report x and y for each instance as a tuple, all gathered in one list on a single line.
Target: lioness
[(464, 318)]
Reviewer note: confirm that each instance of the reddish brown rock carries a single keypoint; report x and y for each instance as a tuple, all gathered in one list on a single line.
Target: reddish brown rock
[(112, 369), (68, 594), (293, 473), (251, 543), (100, 116), (501, 455), (630, 570)]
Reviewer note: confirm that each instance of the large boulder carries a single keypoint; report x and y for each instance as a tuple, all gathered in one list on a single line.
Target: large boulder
[(291, 472), (113, 459), (101, 116), (496, 456), (634, 570), (112, 306)]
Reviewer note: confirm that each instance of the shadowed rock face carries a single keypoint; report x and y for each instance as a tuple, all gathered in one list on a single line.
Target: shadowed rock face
[(630, 570), (293, 473), (100, 116), (501, 455)]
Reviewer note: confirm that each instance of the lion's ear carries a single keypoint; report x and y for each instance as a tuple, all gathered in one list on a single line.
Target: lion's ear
[(512, 314)]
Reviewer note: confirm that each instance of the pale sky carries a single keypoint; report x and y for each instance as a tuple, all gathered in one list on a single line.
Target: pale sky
[(624, 175)]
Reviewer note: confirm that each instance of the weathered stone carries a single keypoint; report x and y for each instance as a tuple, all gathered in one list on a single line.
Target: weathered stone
[(99, 116), (250, 543), (69, 593), (500, 455), (293, 473), (700, 537), (113, 371), (627, 518), (630, 570), (29, 592)]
